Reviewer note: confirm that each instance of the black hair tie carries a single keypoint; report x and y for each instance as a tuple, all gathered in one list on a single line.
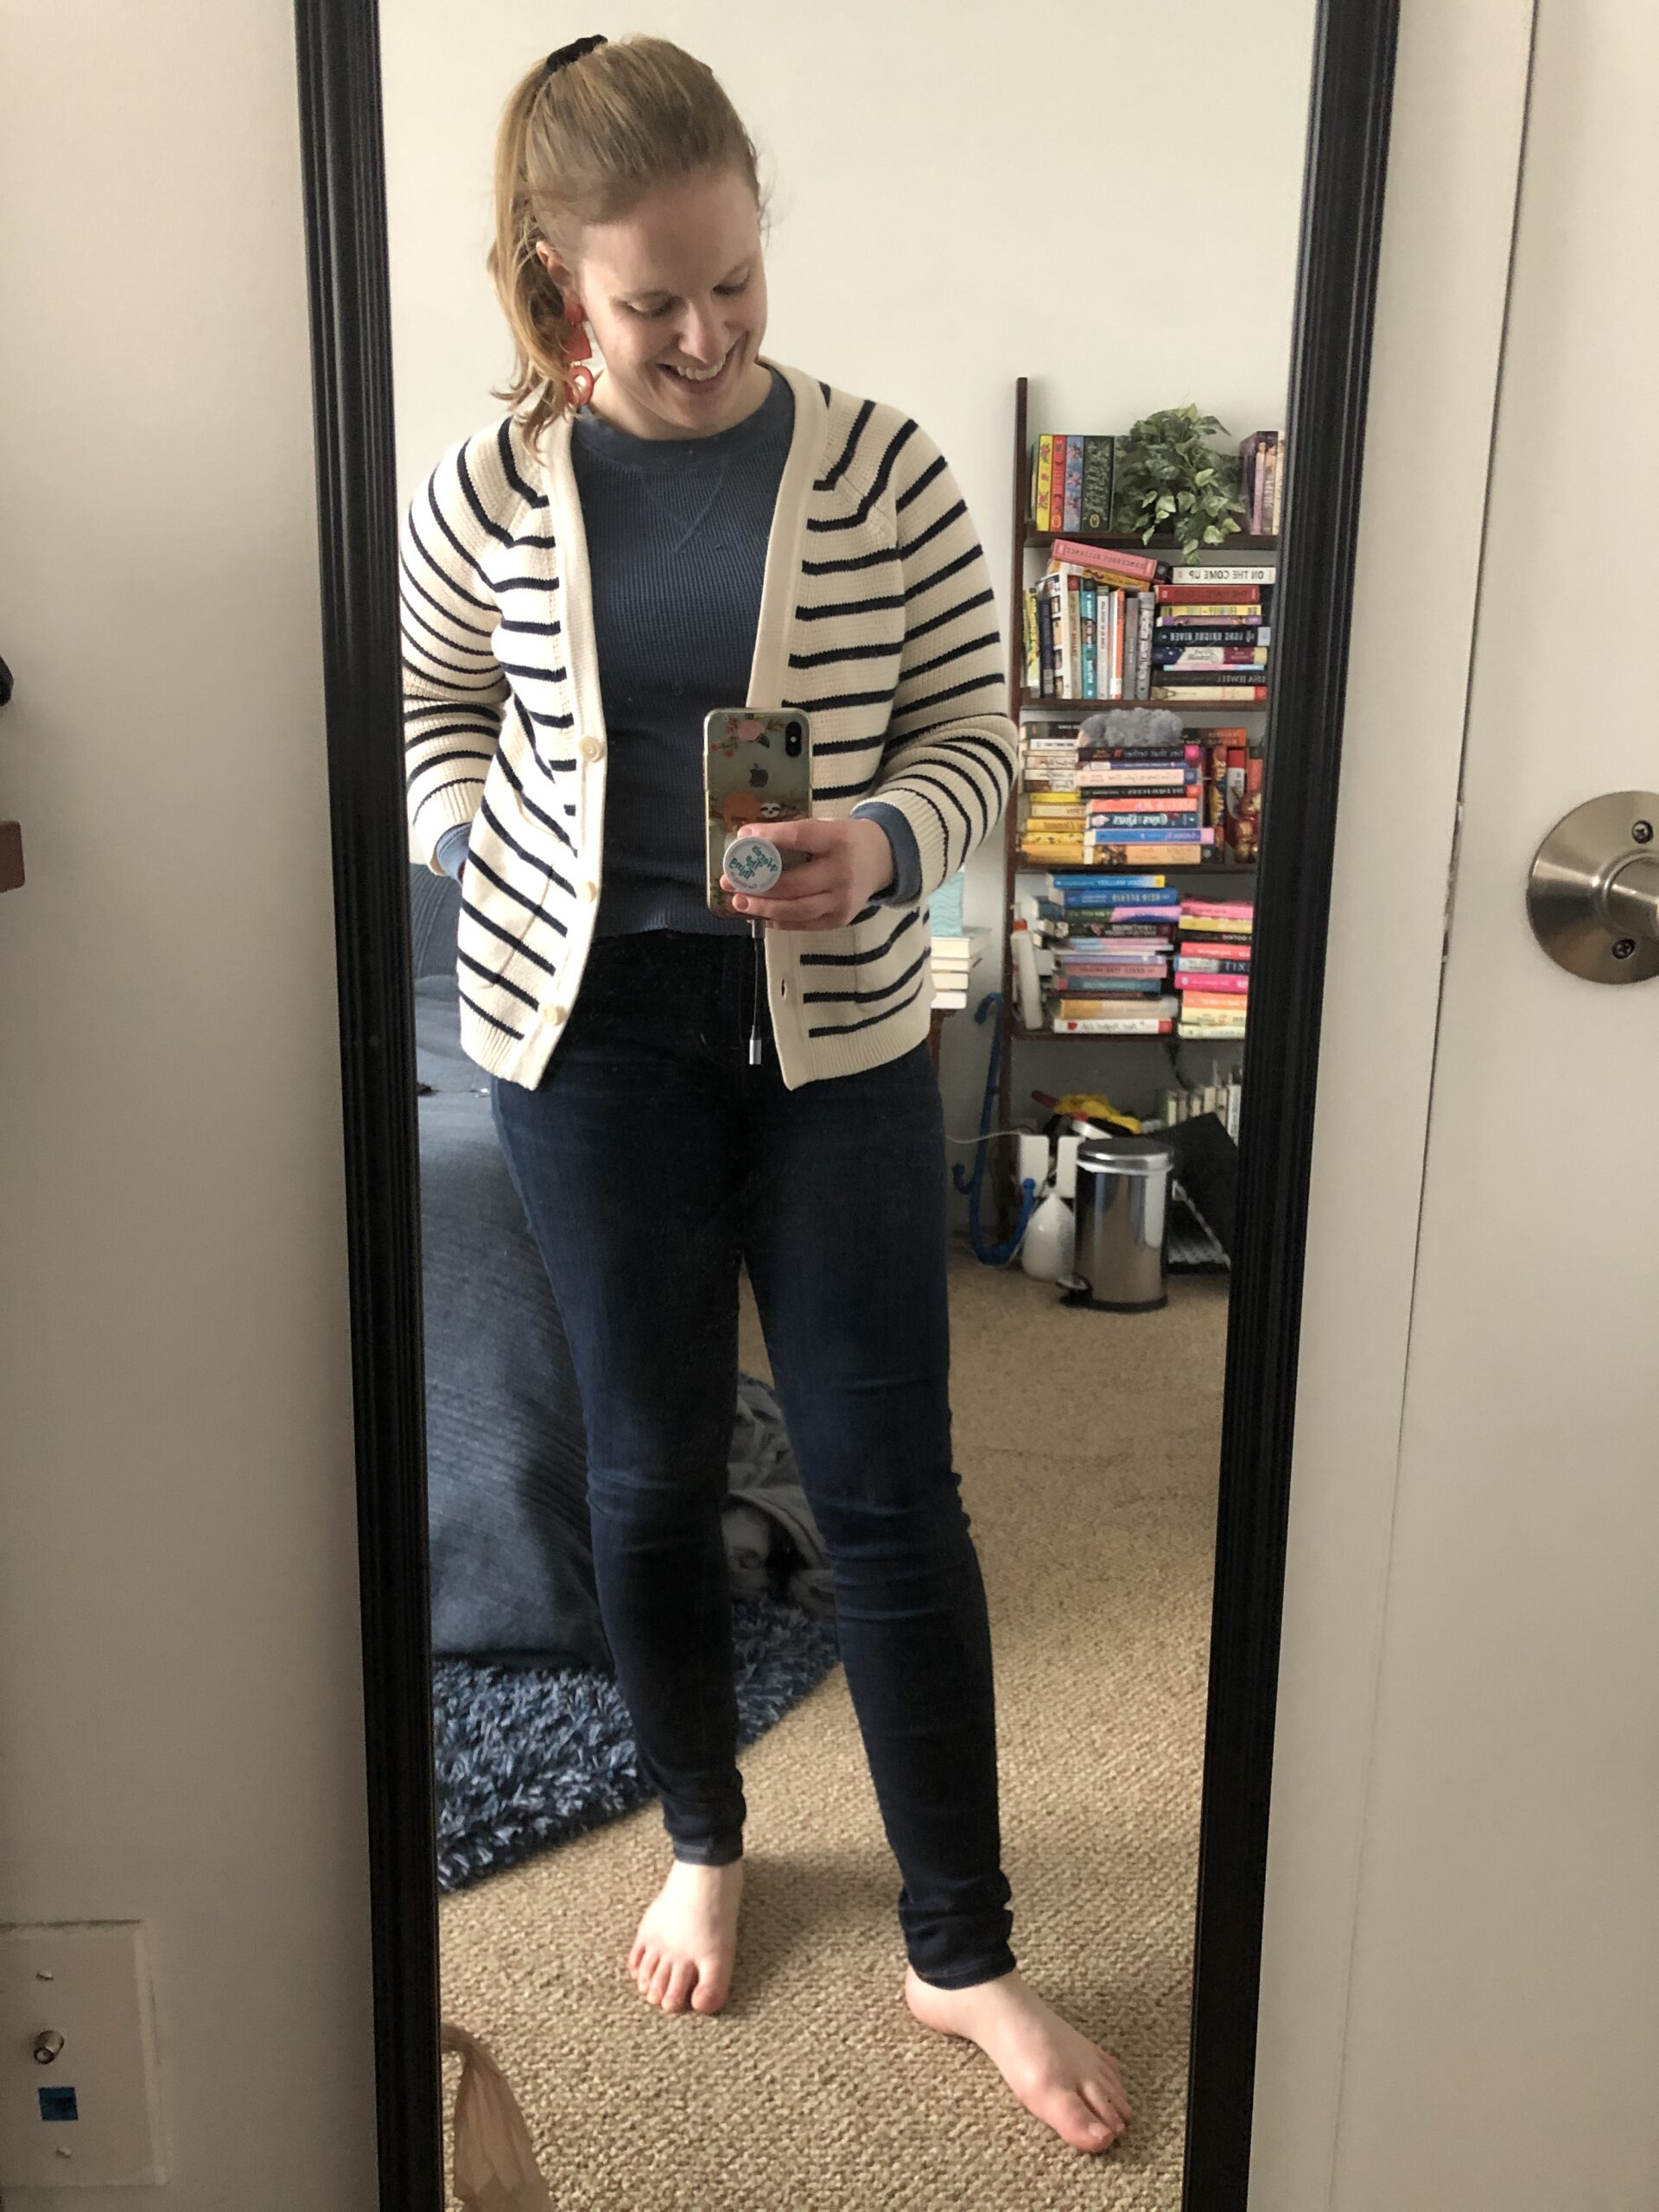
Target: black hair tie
[(567, 54)]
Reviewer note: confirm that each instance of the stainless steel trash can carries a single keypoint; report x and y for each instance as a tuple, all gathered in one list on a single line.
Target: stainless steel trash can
[(1122, 1198)]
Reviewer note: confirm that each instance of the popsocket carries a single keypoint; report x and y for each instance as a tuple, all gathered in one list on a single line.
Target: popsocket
[(753, 863)]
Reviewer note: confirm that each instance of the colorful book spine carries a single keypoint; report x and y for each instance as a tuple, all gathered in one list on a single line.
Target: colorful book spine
[(1184, 855), (1209, 694), (1178, 654), (1127, 805), (1129, 883), (1099, 464), (1175, 622), (1210, 574), (1203, 594), (1145, 565), (1192, 637), (1132, 1026)]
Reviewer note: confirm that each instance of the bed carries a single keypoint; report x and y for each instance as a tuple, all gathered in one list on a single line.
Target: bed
[(511, 1546)]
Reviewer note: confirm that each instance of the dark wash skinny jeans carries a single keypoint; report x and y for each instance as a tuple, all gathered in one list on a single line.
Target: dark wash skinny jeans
[(651, 1161)]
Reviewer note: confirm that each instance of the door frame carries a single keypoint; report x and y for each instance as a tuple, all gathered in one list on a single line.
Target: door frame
[(339, 82)]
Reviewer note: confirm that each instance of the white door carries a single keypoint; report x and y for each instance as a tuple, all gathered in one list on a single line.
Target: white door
[(1502, 2052)]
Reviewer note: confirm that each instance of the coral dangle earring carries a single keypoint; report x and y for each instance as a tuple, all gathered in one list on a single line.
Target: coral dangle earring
[(578, 350)]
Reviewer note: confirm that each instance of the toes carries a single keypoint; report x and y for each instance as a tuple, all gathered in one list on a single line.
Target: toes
[(1107, 2074), (1107, 2104), (1084, 2128), (659, 1981), (712, 1989), (679, 1986), (1108, 2067)]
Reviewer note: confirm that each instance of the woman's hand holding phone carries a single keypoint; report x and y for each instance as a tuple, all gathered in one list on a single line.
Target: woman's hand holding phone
[(844, 865)]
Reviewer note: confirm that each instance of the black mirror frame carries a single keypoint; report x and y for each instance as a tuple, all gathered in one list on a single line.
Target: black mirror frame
[(1350, 101)]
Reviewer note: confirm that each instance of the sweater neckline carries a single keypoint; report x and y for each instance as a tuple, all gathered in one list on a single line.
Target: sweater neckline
[(595, 435)]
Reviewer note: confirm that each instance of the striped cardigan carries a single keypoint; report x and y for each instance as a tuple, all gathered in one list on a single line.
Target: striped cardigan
[(877, 617)]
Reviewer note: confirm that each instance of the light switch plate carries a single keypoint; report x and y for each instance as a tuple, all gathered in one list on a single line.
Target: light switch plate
[(89, 1982)]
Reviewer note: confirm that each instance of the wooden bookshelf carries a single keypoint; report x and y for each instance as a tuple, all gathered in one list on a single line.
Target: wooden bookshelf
[(1034, 703), (1132, 543), (1117, 868), (1034, 706)]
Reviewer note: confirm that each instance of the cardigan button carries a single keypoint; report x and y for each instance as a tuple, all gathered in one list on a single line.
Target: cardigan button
[(558, 1014), (588, 892), (591, 749)]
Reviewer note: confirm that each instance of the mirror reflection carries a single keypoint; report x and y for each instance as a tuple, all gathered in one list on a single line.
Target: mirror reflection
[(831, 891)]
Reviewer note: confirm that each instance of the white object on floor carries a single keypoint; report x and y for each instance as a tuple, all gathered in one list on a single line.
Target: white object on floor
[(495, 2161), (1051, 1237)]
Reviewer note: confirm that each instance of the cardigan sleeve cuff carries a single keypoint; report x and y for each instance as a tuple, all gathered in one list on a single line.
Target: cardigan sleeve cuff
[(451, 849), (906, 886)]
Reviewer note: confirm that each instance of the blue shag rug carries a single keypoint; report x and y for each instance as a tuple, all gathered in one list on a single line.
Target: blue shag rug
[(530, 1757)]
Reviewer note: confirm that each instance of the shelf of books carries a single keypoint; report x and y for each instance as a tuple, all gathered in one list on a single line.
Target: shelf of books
[(1139, 683)]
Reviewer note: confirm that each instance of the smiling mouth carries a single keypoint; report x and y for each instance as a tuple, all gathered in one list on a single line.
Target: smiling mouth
[(695, 381)]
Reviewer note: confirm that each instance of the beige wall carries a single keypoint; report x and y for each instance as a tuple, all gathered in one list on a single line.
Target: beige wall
[(1103, 195), (180, 1710)]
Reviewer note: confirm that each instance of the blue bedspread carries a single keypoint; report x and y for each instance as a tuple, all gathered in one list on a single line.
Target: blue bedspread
[(510, 1544)]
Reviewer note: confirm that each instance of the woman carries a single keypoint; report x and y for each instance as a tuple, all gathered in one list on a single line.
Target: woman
[(699, 527)]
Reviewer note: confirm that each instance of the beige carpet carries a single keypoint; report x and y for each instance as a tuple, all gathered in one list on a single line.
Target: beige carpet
[(1088, 1444)]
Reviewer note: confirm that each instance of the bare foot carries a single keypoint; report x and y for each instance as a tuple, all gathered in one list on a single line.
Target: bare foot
[(1056, 2072), (682, 1956)]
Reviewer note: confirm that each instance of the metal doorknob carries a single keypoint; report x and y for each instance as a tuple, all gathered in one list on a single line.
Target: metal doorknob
[(1592, 894)]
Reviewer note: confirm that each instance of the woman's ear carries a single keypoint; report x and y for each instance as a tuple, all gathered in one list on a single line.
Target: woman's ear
[(562, 276)]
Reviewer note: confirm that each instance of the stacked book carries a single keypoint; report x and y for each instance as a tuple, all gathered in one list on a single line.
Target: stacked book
[(1088, 624), (1211, 635), (1142, 806), (1050, 815), (1212, 966), (1238, 772), (1107, 948), (1261, 464), (1224, 1099), (1049, 761), (953, 949), (1101, 806), (952, 961)]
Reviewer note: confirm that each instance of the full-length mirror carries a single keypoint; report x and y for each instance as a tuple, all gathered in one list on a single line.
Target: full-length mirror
[(841, 472)]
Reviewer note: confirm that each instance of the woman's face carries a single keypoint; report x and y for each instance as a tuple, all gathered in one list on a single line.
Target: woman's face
[(677, 285)]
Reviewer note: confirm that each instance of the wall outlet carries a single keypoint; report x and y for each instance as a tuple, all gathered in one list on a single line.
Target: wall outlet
[(86, 2113)]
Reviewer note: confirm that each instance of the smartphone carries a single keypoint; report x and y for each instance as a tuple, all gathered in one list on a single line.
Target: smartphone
[(756, 768)]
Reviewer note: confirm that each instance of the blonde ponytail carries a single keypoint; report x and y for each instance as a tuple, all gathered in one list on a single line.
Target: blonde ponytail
[(584, 145)]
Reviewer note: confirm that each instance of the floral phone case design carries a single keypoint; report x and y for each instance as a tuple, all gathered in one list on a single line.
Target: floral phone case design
[(756, 769)]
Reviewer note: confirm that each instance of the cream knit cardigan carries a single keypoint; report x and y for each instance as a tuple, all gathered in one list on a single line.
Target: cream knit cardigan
[(877, 617)]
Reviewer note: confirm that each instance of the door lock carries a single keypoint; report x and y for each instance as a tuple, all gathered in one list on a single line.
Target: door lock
[(1593, 895)]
